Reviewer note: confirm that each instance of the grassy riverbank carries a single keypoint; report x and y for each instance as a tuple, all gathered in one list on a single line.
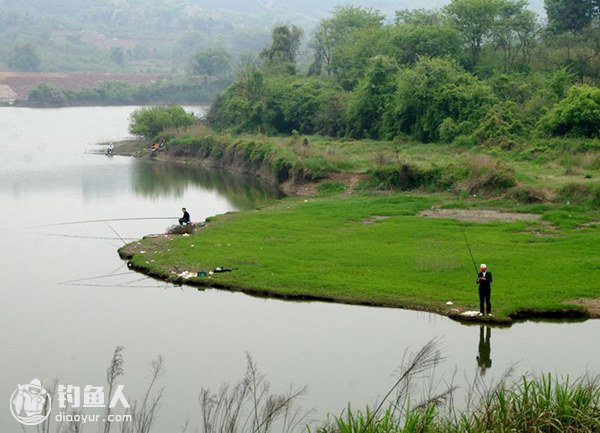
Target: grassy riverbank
[(353, 230), (536, 171), (377, 249)]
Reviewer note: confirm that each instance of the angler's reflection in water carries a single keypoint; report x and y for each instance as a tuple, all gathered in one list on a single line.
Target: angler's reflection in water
[(484, 361)]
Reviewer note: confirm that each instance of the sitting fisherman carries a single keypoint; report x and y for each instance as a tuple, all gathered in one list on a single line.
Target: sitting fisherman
[(185, 219)]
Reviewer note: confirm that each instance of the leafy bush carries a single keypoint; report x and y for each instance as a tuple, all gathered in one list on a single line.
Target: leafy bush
[(46, 96), (331, 187), (150, 121), (297, 104), (577, 115), (499, 126), (279, 104), (317, 167), (407, 177), (528, 195), (432, 91), (486, 175), (372, 94), (243, 105), (178, 229), (581, 194), (168, 91)]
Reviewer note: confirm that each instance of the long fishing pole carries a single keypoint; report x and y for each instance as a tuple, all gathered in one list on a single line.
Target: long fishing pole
[(112, 274), (470, 252), (115, 232), (57, 235), (104, 220)]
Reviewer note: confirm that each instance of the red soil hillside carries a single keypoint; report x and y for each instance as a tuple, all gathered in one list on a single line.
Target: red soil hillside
[(22, 82)]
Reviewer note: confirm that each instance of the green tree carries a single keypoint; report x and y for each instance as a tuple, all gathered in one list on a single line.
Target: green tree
[(24, 58), (117, 55), (151, 121), (212, 62), (435, 93), (576, 115), (299, 103), (404, 43), (571, 15), (115, 92), (45, 96), (369, 100), (421, 17), (475, 19), (413, 41), (353, 56), (333, 31), (243, 105), (514, 32), (281, 54)]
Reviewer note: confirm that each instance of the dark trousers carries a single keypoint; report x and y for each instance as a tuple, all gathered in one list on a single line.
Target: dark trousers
[(183, 222), (485, 298)]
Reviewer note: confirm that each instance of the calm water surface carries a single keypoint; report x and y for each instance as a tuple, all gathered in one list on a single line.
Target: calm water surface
[(49, 173)]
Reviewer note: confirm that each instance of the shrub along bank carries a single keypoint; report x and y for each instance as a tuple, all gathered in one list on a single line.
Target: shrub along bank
[(546, 170)]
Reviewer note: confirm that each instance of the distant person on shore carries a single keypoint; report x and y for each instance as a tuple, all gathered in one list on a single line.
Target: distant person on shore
[(484, 280), (185, 219)]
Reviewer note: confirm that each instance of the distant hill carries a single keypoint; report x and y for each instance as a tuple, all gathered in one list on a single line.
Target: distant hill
[(270, 10), (159, 36)]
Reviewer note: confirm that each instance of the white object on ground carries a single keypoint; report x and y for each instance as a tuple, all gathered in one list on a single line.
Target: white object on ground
[(470, 313), (187, 274)]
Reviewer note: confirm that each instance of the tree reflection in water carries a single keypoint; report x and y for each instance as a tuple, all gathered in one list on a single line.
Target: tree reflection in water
[(167, 179)]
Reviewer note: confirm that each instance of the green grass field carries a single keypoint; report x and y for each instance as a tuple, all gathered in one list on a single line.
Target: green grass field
[(375, 249)]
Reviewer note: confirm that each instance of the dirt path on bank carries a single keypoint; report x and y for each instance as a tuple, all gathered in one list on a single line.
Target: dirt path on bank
[(479, 215)]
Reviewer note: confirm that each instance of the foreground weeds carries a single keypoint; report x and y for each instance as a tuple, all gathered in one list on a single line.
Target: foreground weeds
[(530, 404), (545, 404)]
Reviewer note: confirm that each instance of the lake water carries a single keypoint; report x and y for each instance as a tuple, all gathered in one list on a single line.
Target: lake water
[(53, 327)]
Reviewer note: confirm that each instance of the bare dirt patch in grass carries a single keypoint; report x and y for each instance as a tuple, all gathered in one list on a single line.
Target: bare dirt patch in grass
[(591, 224), (592, 305), (479, 215), (375, 218), (351, 180)]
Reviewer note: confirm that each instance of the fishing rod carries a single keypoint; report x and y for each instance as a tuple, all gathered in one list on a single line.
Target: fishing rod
[(125, 286), (57, 235), (470, 252), (112, 274), (103, 221), (115, 232)]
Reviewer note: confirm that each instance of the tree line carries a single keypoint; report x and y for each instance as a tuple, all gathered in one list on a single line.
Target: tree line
[(474, 71)]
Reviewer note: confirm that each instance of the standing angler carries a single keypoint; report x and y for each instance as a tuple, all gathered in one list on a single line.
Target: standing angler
[(484, 280)]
